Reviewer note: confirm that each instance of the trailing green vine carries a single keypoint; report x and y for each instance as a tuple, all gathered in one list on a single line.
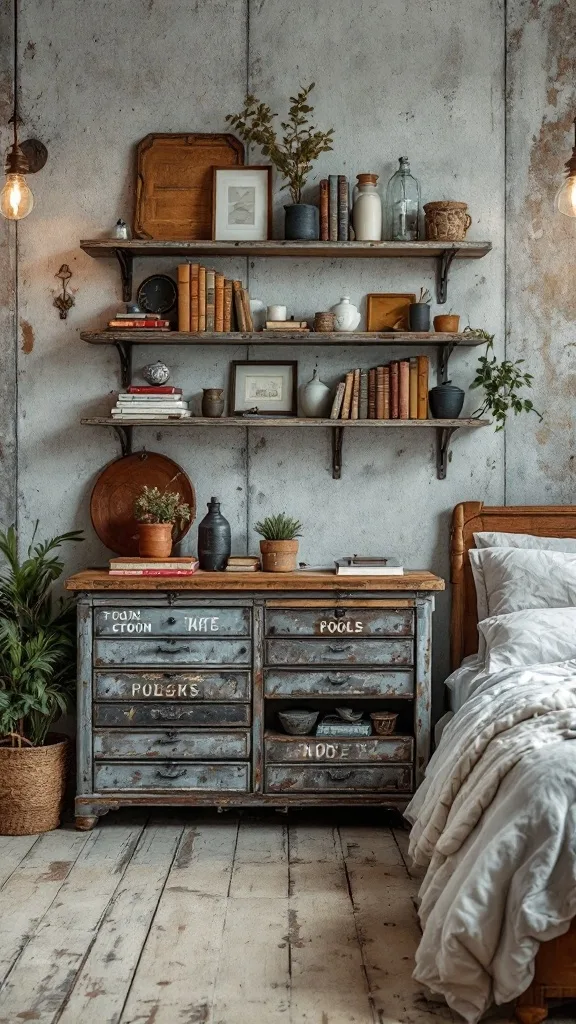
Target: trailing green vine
[(502, 383)]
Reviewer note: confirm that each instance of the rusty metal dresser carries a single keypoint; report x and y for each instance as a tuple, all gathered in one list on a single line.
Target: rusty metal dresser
[(180, 683)]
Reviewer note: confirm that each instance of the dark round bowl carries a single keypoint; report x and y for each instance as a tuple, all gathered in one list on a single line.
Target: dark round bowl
[(446, 401)]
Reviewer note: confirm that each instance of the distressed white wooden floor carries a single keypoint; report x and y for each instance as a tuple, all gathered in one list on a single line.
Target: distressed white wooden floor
[(215, 919)]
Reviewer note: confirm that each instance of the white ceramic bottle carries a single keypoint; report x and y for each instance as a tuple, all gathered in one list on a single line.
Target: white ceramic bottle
[(314, 397), (347, 316), (367, 209)]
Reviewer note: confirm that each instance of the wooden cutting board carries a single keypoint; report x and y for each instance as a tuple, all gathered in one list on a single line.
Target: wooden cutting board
[(112, 500), (174, 183)]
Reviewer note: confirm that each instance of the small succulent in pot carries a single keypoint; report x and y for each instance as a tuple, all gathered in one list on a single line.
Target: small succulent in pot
[(156, 512), (279, 546), (502, 383)]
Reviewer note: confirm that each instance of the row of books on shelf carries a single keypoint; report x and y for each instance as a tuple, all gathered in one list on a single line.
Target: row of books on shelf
[(396, 391), (162, 402), (354, 565), (138, 321), (334, 209), (208, 301)]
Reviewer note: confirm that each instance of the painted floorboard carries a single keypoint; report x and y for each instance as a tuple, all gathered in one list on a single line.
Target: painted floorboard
[(13, 849)]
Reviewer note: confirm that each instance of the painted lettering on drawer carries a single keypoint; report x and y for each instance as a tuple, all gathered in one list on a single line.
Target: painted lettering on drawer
[(172, 621), (340, 621), (340, 626), (169, 686), (125, 620), (373, 748), (141, 714)]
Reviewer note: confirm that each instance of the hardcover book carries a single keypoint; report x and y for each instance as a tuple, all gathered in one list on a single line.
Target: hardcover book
[(404, 390), (227, 325), (423, 373), (343, 213), (324, 216), (210, 296), (359, 565), (333, 208), (347, 400), (413, 389), (338, 400), (239, 306), (386, 377), (379, 393), (194, 304), (394, 390), (355, 410), (363, 406), (202, 298), (183, 274), (372, 394)]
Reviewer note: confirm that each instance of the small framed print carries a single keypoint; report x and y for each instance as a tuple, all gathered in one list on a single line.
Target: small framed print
[(266, 388), (242, 204)]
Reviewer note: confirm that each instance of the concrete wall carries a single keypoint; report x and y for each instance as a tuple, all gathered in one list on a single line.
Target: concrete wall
[(396, 76)]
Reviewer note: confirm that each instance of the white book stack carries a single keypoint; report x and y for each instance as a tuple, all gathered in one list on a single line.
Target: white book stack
[(153, 407)]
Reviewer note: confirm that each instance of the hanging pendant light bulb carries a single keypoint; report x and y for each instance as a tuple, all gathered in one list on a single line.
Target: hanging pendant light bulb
[(566, 195), (16, 199)]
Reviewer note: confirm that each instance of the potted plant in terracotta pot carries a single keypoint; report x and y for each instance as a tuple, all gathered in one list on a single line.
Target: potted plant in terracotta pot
[(279, 546), (156, 512), (37, 685), (292, 155), (447, 323)]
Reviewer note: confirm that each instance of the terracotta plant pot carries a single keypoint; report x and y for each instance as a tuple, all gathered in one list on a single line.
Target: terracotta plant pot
[(446, 221), (446, 323), (279, 555), (155, 540), (32, 787)]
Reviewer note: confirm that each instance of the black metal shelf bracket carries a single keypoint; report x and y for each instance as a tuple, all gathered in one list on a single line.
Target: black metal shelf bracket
[(125, 260), (125, 353), (444, 353), (125, 436), (443, 266), (337, 435), (443, 454)]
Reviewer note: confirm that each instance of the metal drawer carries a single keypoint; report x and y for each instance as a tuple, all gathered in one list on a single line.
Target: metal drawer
[(172, 652), (118, 776), (193, 621), (286, 683), (339, 622), (344, 779), (169, 686), (174, 744), (339, 652), (335, 750), (137, 714)]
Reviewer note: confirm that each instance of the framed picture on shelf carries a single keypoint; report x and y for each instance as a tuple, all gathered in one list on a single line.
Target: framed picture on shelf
[(388, 311), (242, 204), (267, 388)]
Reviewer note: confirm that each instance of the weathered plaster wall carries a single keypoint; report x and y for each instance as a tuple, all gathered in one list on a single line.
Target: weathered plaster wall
[(8, 417), (392, 76), (541, 249)]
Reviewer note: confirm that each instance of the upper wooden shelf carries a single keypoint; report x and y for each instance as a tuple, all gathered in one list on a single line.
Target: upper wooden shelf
[(348, 339), (106, 247), (126, 251)]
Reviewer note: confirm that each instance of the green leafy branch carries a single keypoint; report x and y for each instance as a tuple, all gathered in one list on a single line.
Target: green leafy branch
[(300, 145), (502, 383)]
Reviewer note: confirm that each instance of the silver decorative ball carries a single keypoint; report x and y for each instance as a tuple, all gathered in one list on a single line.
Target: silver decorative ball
[(156, 373)]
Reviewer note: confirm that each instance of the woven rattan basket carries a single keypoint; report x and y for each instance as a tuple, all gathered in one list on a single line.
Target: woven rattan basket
[(446, 221), (32, 786)]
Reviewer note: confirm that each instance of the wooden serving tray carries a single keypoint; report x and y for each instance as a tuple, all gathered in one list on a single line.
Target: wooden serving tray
[(174, 183)]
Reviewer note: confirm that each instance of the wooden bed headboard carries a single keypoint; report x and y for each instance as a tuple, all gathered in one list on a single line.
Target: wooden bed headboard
[(471, 517)]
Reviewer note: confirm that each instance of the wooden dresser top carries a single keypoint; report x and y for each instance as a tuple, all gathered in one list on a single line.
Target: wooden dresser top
[(100, 579)]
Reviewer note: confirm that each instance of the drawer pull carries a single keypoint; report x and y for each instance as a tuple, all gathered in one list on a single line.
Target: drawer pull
[(171, 773), (340, 650), (339, 613), (173, 650), (339, 776), (172, 621), (171, 736), (335, 682), (169, 714)]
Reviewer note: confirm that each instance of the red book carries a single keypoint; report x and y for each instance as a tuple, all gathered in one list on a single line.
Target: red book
[(150, 389), (393, 391), (324, 231), (133, 325), (151, 572)]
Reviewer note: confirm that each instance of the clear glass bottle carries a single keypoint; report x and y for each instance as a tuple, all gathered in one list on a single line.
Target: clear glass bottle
[(403, 205)]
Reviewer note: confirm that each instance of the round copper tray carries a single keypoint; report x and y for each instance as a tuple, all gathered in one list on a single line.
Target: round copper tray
[(112, 500)]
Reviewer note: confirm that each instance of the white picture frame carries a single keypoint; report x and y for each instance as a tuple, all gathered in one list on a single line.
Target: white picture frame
[(264, 388), (242, 204)]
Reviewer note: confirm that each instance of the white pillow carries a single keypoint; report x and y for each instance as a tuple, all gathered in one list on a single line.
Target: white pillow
[(510, 540), (518, 578), (531, 637)]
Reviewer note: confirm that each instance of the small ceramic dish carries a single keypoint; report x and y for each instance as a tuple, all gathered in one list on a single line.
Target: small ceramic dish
[(298, 721), (349, 715), (384, 722)]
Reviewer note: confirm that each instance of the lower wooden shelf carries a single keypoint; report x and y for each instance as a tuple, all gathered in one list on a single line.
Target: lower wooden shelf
[(444, 430)]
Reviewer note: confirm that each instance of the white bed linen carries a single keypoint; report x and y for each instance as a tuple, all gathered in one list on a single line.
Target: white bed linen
[(531, 637), (495, 822)]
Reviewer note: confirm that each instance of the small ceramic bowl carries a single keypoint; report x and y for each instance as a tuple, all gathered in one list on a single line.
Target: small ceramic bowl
[(384, 722), (298, 721), (349, 715)]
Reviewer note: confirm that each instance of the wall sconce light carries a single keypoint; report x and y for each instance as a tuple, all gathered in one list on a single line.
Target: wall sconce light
[(16, 199), (566, 194)]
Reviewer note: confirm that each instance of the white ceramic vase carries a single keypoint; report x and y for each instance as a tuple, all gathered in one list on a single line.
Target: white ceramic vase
[(367, 209), (314, 397), (346, 314)]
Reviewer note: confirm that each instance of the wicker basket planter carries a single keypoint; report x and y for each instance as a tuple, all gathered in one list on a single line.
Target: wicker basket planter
[(446, 221), (32, 787)]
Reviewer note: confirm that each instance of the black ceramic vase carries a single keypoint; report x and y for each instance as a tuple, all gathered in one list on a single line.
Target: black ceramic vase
[(419, 316), (301, 222), (214, 539), (446, 401)]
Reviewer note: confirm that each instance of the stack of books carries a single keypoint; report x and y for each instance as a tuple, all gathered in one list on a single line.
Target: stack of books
[(334, 209), (243, 563), (359, 565), (397, 391), (138, 321), (162, 403), (207, 301), (295, 326), (153, 566)]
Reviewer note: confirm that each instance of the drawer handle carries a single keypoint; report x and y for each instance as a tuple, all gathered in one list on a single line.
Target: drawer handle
[(171, 736), (172, 620), (335, 682), (171, 773), (340, 650), (173, 650), (169, 714), (339, 613), (339, 776)]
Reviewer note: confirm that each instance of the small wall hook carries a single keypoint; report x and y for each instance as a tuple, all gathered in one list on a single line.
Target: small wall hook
[(64, 301)]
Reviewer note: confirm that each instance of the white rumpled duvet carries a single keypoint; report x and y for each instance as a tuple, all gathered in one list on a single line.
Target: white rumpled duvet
[(495, 823)]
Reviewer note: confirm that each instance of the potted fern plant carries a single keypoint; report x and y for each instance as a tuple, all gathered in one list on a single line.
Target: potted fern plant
[(37, 685), (156, 512), (279, 546), (293, 154)]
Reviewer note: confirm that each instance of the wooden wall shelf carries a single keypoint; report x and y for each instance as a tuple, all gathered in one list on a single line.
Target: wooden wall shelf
[(444, 430), (126, 251)]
